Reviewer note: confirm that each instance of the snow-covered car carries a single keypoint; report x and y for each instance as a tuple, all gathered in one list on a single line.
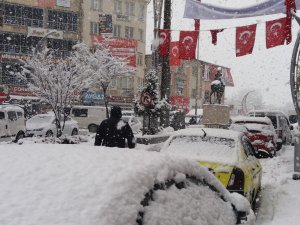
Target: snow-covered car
[(228, 154), (44, 125), (134, 122), (192, 114), (259, 130), (83, 184)]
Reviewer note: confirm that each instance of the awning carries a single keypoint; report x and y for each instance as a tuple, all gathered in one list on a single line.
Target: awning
[(20, 97)]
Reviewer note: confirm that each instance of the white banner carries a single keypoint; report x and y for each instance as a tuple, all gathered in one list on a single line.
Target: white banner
[(196, 10), (41, 32), (63, 3)]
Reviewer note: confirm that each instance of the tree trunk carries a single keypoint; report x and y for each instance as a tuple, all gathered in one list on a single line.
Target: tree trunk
[(166, 75), (104, 88)]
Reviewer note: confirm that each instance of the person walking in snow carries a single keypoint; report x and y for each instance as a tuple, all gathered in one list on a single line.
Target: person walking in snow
[(114, 132)]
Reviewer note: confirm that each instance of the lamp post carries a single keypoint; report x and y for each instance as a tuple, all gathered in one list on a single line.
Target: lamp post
[(244, 102)]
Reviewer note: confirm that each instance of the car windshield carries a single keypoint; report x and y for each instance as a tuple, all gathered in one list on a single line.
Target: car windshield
[(41, 119), (207, 148)]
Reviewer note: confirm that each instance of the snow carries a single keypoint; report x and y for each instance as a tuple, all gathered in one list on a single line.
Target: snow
[(189, 143), (84, 184), (237, 119), (280, 199), (192, 112)]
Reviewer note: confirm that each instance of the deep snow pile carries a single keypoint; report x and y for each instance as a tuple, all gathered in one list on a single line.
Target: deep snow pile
[(82, 184), (280, 196)]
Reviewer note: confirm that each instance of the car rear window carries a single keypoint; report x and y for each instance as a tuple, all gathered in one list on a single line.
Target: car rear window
[(202, 141)]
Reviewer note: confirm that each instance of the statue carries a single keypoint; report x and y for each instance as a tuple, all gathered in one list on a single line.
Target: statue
[(217, 87)]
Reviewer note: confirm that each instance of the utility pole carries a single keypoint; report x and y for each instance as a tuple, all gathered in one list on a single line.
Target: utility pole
[(166, 75)]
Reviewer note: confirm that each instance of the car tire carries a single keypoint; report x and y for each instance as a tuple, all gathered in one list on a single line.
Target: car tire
[(19, 136), (74, 132), (92, 128), (279, 146), (49, 133)]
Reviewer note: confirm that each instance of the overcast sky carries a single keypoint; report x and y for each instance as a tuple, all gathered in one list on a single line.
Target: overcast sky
[(266, 70)]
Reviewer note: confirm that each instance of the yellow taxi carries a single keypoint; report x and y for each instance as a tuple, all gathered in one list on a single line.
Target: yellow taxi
[(228, 154)]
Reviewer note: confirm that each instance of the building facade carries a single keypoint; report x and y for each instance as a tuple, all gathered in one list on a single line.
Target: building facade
[(23, 24), (190, 82), (124, 22)]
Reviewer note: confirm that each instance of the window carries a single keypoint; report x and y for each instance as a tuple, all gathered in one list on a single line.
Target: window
[(12, 116), (63, 20), (129, 32), (142, 12), (118, 6), (130, 8), (20, 114), (94, 28), (140, 59), (141, 35), (194, 70), (79, 112), (97, 5), (21, 15), (2, 115), (117, 30), (247, 147)]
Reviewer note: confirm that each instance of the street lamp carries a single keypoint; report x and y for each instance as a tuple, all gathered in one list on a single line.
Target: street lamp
[(244, 102)]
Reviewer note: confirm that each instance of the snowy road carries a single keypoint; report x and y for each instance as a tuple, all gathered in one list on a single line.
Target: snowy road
[(280, 196)]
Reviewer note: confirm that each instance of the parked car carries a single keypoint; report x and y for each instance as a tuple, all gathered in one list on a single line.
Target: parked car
[(44, 125), (134, 122), (280, 122), (83, 184), (259, 130), (12, 122), (88, 117), (228, 154)]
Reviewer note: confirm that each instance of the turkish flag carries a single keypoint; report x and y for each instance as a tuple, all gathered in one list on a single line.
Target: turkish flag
[(174, 54), (188, 44), (276, 32), (245, 39), (214, 35), (164, 42)]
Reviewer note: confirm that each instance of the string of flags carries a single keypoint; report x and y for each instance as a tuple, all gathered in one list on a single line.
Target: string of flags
[(278, 32)]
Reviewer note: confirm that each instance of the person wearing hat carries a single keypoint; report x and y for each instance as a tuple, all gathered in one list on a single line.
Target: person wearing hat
[(113, 132)]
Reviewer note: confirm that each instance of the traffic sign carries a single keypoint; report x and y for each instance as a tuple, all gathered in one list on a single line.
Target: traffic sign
[(146, 99)]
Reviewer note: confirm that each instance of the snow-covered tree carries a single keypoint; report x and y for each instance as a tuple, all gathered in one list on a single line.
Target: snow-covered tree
[(151, 87), (55, 79), (106, 67)]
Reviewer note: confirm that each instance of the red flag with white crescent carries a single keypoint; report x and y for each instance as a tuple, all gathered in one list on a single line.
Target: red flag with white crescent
[(276, 32), (188, 44), (245, 39), (164, 42), (174, 54)]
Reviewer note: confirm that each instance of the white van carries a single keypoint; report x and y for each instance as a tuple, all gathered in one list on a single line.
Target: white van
[(12, 122), (88, 117)]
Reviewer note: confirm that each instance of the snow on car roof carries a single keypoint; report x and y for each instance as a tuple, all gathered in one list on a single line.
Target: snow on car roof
[(266, 111), (11, 107), (213, 132), (251, 119), (83, 184)]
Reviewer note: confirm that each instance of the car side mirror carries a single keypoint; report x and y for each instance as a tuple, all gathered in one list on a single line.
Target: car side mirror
[(262, 154)]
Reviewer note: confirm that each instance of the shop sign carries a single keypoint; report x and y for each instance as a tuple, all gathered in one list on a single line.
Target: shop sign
[(63, 3), (41, 32), (105, 24), (93, 97), (120, 47), (14, 57), (20, 90)]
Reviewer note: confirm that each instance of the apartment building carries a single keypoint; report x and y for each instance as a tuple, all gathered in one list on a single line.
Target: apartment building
[(23, 24), (124, 22)]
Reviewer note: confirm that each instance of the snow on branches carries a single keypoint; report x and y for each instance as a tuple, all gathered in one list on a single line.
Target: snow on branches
[(151, 86)]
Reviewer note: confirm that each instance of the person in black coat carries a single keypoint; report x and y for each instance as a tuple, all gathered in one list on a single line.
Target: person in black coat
[(114, 132)]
